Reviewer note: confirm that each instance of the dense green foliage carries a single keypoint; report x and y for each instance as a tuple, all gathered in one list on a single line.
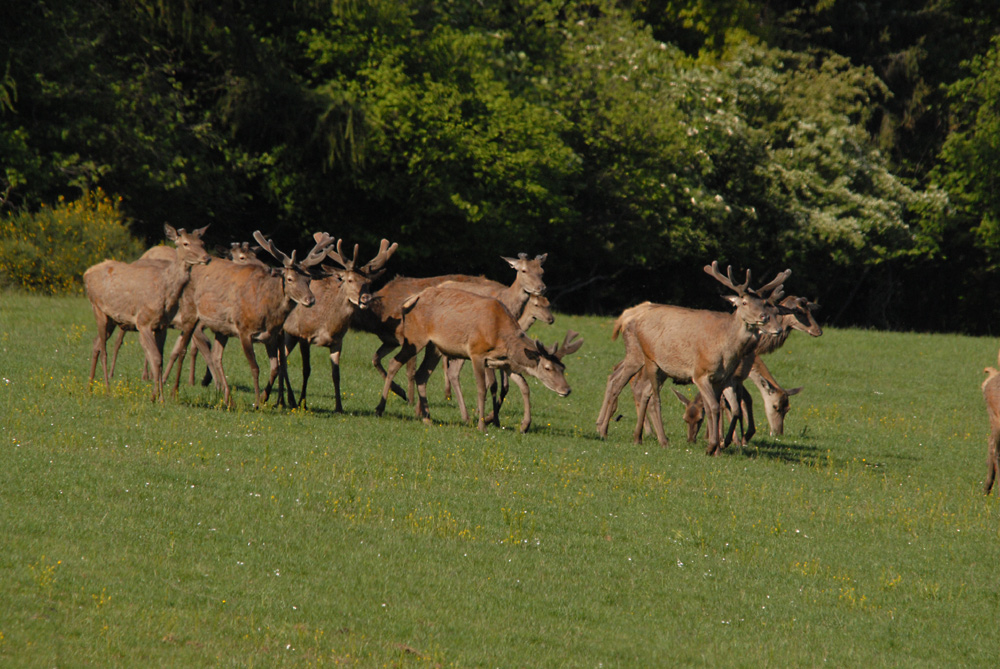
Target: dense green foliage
[(183, 534), (633, 140)]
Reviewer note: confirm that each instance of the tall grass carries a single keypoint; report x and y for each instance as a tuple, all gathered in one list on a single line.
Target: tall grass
[(185, 534)]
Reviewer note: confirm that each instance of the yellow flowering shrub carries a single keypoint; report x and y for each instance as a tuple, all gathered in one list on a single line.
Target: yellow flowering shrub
[(47, 251)]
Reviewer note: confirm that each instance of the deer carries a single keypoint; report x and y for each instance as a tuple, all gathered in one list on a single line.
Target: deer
[(537, 308), (384, 314), (338, 297), (448, 320), (690, 346), (249, 302), (241, 254), (142, 296), (991, 395), (797, 314)]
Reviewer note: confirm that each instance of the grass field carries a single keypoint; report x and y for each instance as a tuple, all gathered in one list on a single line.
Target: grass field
[(185, 534)]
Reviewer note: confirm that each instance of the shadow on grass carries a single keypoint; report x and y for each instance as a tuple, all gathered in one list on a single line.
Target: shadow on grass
[(791, 452)]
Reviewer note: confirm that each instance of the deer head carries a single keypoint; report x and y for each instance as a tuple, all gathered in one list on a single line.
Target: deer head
[(190, 247), (754, 307), (529, 272)]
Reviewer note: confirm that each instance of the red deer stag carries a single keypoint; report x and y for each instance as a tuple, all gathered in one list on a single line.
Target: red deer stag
[(142, 296), (338, 297), (796, 314), (384, 314), (991, 394), (690, 345), (445, 320), (249, 302)]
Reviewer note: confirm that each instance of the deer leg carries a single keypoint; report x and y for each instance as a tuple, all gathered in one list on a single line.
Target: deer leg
[(193, 373), (621, 375), (711, 401), (148, 340), (452, 369), (407, 351), (335, 351), (447, 377), (411, 371), (479, 374), (526, 396), (247, 343), (992, 460), (430, 361), (118, 345), (383, 351), (491, 383), (746, 408), (654, 411), (209, 373)]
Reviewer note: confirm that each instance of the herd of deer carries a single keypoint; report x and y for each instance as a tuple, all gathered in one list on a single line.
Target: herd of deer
[(458, 317)]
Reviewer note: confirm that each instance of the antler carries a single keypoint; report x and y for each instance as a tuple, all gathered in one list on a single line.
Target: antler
[(319, 252), (269, 246), (570, 344), (775, 285), (727, 281), (338, 256), (377, 264)]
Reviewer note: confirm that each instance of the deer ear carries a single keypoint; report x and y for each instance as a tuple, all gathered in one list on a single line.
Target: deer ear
[(732, 299), (794, 391), (170, 232), (541, 258), (511, 261), (199, 232)]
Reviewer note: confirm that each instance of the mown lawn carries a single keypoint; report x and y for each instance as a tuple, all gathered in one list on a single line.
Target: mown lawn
[(185, 534)]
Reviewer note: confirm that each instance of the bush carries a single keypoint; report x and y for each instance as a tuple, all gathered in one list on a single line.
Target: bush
[(47, 251)]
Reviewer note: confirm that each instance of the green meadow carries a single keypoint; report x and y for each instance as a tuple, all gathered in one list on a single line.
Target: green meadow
[(187, 534)]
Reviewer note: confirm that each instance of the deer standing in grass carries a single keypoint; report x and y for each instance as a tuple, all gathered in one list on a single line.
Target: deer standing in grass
[(991, 394), (447, 320), (241, 254), (249, 302), (142, 296), (338, 297), (795, 314), (384, 314), (690, 346)]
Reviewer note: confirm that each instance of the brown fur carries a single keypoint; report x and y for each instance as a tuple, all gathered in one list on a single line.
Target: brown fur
[(245, 301), (446, 320), (142, 296), (385, 313), (338, 297), (991, 395), (690, 346)]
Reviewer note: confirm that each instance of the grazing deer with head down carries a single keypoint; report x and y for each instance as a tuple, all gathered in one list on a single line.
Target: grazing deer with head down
[(537, 308), (690, 346), (338, 297), (384, 314), (447, 320), (141, 296), (249, 302), (991, 394)]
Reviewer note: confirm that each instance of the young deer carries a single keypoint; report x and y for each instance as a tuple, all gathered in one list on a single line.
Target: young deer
[(991, 394), (338, 297), (142, 296), (248, 302), (690, 346), (445, 320)]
